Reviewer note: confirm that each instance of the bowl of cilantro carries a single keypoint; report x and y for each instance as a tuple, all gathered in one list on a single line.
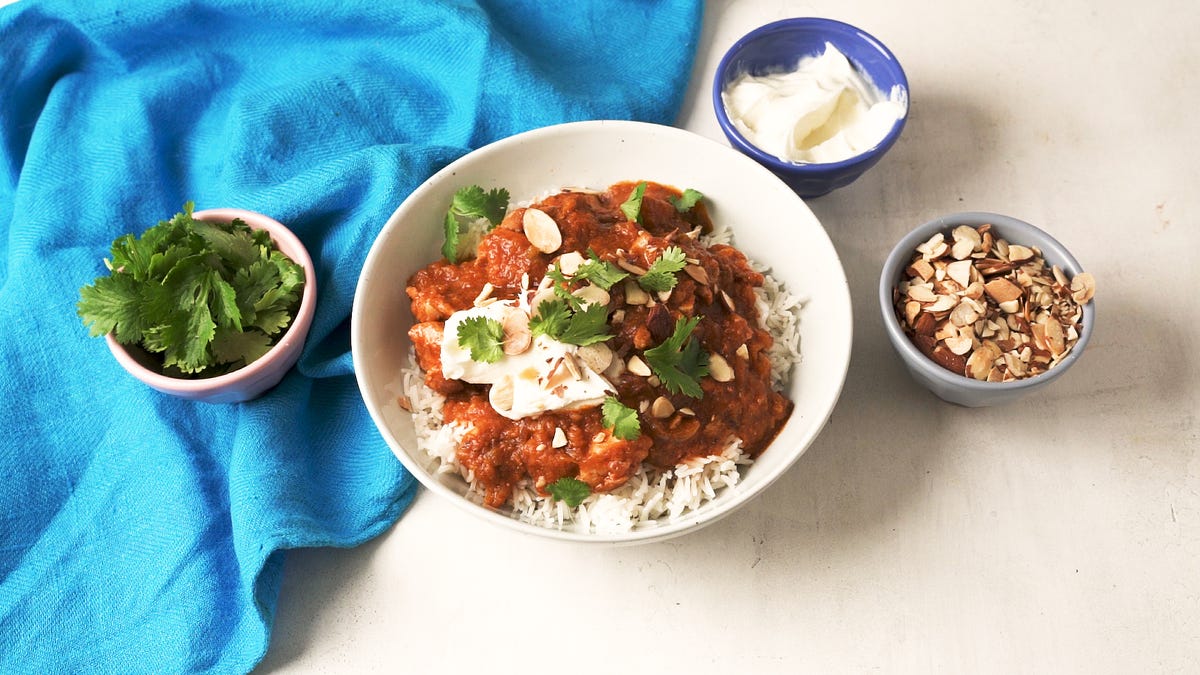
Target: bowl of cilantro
[(210, 305)]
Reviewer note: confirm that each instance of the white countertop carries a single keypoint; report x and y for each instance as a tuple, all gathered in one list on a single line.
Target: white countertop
[(1057, 534)]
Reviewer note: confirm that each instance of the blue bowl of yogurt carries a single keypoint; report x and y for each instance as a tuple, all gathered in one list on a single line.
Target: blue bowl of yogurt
[(816, 101)]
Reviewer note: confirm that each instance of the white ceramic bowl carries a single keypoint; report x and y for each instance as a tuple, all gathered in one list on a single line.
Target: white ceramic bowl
[(770, 224)]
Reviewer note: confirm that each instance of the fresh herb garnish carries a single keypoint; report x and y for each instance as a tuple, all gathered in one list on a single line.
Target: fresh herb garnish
[(468, 205), (484, 336), (571, 491), (678, 361), (205, 296), (600, 272), (687, 200), (632, 207), (661, 275), (622, 419), (570, 321)]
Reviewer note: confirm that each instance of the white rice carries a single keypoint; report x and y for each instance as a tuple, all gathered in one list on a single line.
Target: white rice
[(649, 496)]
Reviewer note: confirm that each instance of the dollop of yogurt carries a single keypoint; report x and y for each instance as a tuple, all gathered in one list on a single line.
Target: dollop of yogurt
[(822, 111), (532, 382)]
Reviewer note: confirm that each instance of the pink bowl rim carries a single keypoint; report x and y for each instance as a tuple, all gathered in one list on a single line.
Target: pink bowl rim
[(291, 246)]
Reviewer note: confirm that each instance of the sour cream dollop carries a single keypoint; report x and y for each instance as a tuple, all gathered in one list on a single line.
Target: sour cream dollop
[(539, 378), (823, 111)]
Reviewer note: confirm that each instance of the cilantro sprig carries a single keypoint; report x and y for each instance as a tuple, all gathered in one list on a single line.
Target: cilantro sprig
[(679, 362), (600, 272), (661, 275), (687, 201), (632, 206), (571, 491), (622, 419), (206, 297), (484, 336), (566, 319), (469, 205)]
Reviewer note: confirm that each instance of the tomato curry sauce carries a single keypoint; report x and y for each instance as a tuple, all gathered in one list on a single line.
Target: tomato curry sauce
[(717, 286)]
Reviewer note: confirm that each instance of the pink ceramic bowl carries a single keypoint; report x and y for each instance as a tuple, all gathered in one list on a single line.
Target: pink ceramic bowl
[(251, 381)]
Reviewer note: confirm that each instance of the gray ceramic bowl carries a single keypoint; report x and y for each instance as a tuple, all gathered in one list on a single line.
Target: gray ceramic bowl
[(945, 384)]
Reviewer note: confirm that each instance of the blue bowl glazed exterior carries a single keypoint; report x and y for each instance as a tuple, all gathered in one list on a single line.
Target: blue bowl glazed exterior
[(779, 46), (950, 386)]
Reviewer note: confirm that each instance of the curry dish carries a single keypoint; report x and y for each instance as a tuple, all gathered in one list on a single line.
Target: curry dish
[(736, 398)]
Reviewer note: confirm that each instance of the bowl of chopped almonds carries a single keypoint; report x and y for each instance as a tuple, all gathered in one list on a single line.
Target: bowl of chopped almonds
[(984, 308)]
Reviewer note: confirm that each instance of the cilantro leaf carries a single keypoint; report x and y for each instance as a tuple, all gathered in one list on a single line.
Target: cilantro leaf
[(687, 200), (183, 283), (678, 361), (572, 491), (661, 275), (632, 208), (470, 204), (550, 319), (600, 272), (235, 346), (588, 325), (621, 419), (484, 336)]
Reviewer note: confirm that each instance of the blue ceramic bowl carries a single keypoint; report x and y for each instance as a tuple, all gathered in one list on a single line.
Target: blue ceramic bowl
[(779, 46), (957, 388)]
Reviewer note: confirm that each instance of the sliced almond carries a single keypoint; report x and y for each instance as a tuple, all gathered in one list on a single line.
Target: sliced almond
[(541, 230), (728, 302), (921, 293), (962, 249), (921, 268), (517, 336), (568, 263), (597, 356), (698, 273), (911, 309), (560, 438), (1002, 290), (1017, 253), (1055, 338), (960, 345), (719, 368), (637, 366), (743, 352), (484, 294), (960, 272), (630, 267), (662, 407), (1083, 287), (966, 233), (964, 314), (592, 295), (634, 295), (943, 303)]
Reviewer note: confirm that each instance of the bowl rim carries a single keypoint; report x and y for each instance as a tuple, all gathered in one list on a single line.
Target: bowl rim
[(694, 520), (197, 388), (913, 358), (811, 169)]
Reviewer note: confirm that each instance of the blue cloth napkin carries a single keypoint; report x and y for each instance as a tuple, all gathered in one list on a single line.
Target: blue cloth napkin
[(142, 533)]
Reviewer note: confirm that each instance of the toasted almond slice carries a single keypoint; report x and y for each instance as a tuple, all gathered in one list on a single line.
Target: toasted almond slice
[(484, 294), (962, 248), (662, 407), (592, 295), (1083, 287), (1060, 277), (687, 411), (960, 272), (932, 243), (560, 438), (728, 302), (517, 336), (719, 368), (974, 290), (964, 314), (630, 267), (538, 298), (960, 345), (1018, 253), (743, 352), (568, 263), (920, 268), (1002, 290), (943, 303), (1011, 306), (911, 309), (597, 356), (921, 293), (541, 230), (698, 273), (966, 233), (637, 366), (1055, 338), (634, 295)]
